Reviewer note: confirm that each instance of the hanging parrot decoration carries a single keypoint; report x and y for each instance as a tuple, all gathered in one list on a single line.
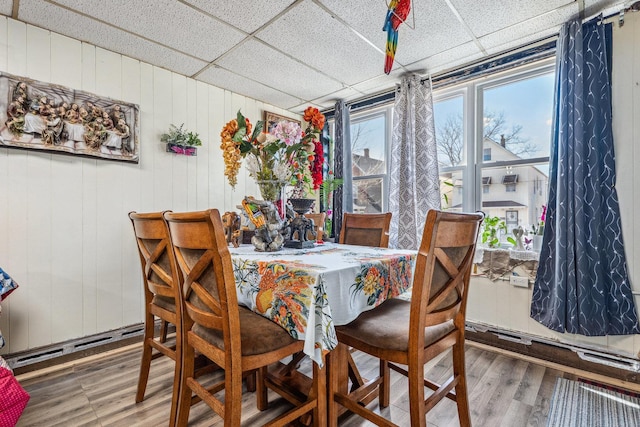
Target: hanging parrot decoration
[(396, 15)]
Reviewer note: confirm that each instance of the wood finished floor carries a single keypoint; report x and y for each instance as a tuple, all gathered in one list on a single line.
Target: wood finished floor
[(503, 391)]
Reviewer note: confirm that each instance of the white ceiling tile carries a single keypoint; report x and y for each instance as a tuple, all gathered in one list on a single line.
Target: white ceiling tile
[(324, 43), (448, 59), (380, 83), (248, 15), (6, 7), (48, 16), (346, 93), (278, 71), (436, 27), (299, 109), (243, 86), (484, 17), (518, 42), (528, 31), (170, 23)]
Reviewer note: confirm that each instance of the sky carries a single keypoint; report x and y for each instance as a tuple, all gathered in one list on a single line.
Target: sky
[(527, 103)]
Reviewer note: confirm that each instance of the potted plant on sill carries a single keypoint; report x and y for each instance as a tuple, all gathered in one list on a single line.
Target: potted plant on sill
[(491, 227), (180, 141)]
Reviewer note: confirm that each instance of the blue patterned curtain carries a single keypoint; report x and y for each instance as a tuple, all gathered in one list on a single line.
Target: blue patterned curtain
[(342, 196), (414, 179), (582, 285)]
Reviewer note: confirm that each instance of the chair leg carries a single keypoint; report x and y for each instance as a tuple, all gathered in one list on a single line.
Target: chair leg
[(462, 399), (175, 396), (416, 394), (337, 367), (262, 401), (320, 394), (187, 371), (145, 364), (232, 396), (250, 381), (385, 387)]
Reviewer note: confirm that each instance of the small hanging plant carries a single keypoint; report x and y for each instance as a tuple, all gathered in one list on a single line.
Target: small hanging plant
[(180, 141)]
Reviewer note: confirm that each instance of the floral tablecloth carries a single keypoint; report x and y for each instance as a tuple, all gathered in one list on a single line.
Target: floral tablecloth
[(309, 291)]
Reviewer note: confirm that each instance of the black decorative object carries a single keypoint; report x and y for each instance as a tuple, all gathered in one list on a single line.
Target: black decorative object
[(300, 226)]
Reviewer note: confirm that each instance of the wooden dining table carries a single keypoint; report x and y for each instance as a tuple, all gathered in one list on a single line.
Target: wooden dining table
[(310, 291)]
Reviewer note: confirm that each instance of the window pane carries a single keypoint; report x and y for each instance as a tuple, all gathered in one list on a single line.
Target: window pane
[(516, 195), (367, 195), (449, 131), (368, 146), (517, 119)]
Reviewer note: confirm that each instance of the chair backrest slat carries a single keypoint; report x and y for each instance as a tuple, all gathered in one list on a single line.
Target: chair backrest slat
[(318, 222), (365, 229)]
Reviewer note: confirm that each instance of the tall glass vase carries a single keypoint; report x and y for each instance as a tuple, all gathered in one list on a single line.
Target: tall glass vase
[(270, 189)]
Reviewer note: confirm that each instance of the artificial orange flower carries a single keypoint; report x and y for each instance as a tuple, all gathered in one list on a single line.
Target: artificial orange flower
[(230, 152), (315, 117)]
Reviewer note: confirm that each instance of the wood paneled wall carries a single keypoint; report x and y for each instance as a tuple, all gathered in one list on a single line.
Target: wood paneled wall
[(64, 232), (499, 303)]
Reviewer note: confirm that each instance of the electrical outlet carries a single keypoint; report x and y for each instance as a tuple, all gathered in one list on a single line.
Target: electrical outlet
[(520, 281)]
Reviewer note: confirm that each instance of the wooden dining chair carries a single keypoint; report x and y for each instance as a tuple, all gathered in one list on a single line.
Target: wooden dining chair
[(318, 221), (365, 229), (161, 296), (235, 338), (413, 332)]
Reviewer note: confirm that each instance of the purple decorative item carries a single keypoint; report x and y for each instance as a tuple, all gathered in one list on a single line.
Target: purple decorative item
[(181, 149)]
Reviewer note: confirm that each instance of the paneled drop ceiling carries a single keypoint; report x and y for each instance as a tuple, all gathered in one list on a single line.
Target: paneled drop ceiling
[(294, 53)]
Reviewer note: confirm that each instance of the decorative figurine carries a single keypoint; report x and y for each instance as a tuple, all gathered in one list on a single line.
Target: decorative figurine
[(519, 233), (264, 215), (231, 223)]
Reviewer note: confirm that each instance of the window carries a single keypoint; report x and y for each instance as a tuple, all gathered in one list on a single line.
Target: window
[(493, 139), (369, 153), (486, 181), (497, 130), (510, 182), (519, 134)]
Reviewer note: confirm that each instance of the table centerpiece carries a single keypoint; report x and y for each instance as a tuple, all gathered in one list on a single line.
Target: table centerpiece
[(306, 177), (272, 158)]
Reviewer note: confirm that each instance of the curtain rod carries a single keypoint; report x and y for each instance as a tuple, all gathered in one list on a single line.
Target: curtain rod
[(531, 52)]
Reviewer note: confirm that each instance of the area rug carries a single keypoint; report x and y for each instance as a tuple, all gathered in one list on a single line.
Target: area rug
[(580, 404)]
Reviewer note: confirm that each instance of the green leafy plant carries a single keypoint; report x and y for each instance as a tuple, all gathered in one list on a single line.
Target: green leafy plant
[(490, 228), (178, 136), (327, 186), (445, 196)]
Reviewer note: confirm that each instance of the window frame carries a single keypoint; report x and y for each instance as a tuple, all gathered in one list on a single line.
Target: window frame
[(386, 111), (472, 92)]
